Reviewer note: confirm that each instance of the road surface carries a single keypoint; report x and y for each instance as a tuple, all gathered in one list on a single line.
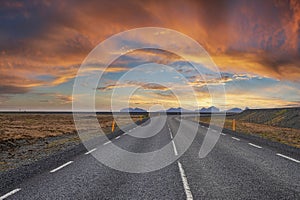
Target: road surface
[(235, 169)]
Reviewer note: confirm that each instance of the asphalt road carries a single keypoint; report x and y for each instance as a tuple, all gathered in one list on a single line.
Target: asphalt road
[(235, 169)]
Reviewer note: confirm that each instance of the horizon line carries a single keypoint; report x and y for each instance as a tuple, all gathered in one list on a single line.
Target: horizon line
[(35, 110)]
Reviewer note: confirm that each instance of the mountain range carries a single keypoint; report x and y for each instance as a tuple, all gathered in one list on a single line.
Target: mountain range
[(133, 110), (179, 109), (211, 109), (208, 110)]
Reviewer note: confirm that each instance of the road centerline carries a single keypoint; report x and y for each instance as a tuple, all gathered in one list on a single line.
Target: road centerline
[(171, 134), (287, 157), (107, 143), (235, 138), (90, 151), (174, 147), (254, 145), (186, 186), (60, 167), (10, 193)]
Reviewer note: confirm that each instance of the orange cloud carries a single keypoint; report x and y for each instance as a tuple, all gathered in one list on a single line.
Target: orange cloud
[(41, 38), (259, 31)]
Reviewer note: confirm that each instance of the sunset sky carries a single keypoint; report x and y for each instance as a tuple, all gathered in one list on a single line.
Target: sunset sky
[(255, 44)]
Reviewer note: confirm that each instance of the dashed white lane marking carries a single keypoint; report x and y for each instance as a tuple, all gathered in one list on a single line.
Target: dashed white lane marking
[(129, 130), (223, 134), (174, 147), (60, 167), (254, 145), (107, 143), (90, 151), (186, 186), (235, 138), (10, 193), (284, 156), (118, 137), (171, 135)]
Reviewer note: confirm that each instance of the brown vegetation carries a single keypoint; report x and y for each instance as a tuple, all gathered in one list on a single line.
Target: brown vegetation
[(33, 126), (279, 117), (289, 136), (25, 138)]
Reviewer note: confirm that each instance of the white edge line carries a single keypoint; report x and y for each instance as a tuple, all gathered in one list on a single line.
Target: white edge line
[(107, 143), (254, 145), (186, 186), (90, 151), (284, 156), (117, 137), (60, 167), (174, 147), (235, 138), (10, 193)]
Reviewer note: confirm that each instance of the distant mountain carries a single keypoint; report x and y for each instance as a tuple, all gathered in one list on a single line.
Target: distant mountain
[(132, 110), (209, 110), (201, 110), (177, 110), (235, 110)]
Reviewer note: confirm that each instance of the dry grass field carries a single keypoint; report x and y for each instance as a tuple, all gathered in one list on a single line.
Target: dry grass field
[(15, 126), (289, 136), (33, 126), (26, 137)]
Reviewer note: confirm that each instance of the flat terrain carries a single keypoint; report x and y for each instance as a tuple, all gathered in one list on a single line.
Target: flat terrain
[(14, 126), (279, 125), (26, 138)]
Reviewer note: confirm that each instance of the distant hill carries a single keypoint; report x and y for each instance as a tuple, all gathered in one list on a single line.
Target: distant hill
[(209, 110), (282, 117), (132, 110), (177, 110), (235, 110)]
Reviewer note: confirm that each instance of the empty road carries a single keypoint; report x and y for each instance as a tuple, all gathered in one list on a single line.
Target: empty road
[(236, 168)]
